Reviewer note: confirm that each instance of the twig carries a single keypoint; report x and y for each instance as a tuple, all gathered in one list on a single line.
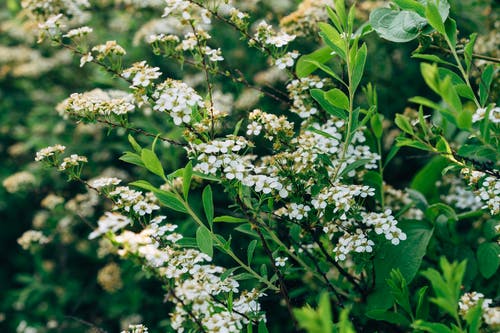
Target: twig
[(86, 323), (474, 55)]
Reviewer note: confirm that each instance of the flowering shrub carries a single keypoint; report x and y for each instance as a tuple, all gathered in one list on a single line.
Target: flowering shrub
[(245, 200)]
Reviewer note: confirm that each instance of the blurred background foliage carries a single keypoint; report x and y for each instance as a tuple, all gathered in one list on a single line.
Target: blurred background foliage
[(72, 281)]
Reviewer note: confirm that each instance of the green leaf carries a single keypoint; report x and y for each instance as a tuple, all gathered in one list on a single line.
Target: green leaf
[(464, 120), (485, 83), (488, 258), (337, 98), (473, 317), (425, 180), (374, 179), (359, 66), (431, 327), (187, 175), (327, 70), (332, 38), (422, 310), (208, 205), (229, 219), (132, 158), (376, 124), (390, 317), (392, 153), (432, 58), (354, 166), (411, 5), (430, 75), (434, 18), (425, 102), (407, 257), (305, 67), (334, 18), (204, 240), (134, 144), (262, 327), (250, 251), (341, 13), (319, 96), (152, 162), (170, 200), (403, 123), (396, 26), (468, 50), (451, 31)]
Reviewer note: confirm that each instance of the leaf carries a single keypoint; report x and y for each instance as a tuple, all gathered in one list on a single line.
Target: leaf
[(411, 5), (422, 310), (170, 200), (468, 49), (396, 26), (434, 18), (431, 327), (332, 38), (229, 219), (425, 180), (488, 258), (376, 124), (451, 31), (353, 166), (374, 179), (407, 257), (337, 98), (473, 317), (432, 58), (485, 83), (390, 317), (327, 70), (208, 205), (305, 67), (204, 240), (392, 153), (262, 327), (403, 123), (425, 102), (132, 158), (430, 75), (319, 96), (134, 144), (187, 175), (152, 163), (250, 251), (359, 66)]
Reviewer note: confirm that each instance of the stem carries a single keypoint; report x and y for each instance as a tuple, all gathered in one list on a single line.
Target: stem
[(228, 251), (474, 55), (281, 281), (461, 67)]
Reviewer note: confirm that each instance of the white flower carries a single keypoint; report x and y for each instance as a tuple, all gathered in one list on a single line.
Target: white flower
[(110, 222), (287, 60), (86, 58), (280, 261), (78, 32), (49, 151)]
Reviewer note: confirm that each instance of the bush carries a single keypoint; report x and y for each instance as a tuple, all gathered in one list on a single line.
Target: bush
[(245, 166)]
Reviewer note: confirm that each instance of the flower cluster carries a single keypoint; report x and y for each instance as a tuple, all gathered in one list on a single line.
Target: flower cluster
[(493, 114), (491, 315), (298, 90), (141, 74), (266, 35), (97, 102), (304, 21), (32, 237), (288, 60), (137, 328), (275, 127), (18, 181), (133, 201), (110, 48), (488, 188), (72, 161), (49, 152), (178, 99)]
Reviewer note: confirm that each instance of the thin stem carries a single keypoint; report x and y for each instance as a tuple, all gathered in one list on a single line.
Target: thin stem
[(207, 78), (277, 271), (228, 251), (474, 55)]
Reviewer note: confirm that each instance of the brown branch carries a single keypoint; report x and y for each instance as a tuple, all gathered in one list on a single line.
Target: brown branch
[(474, 55)]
